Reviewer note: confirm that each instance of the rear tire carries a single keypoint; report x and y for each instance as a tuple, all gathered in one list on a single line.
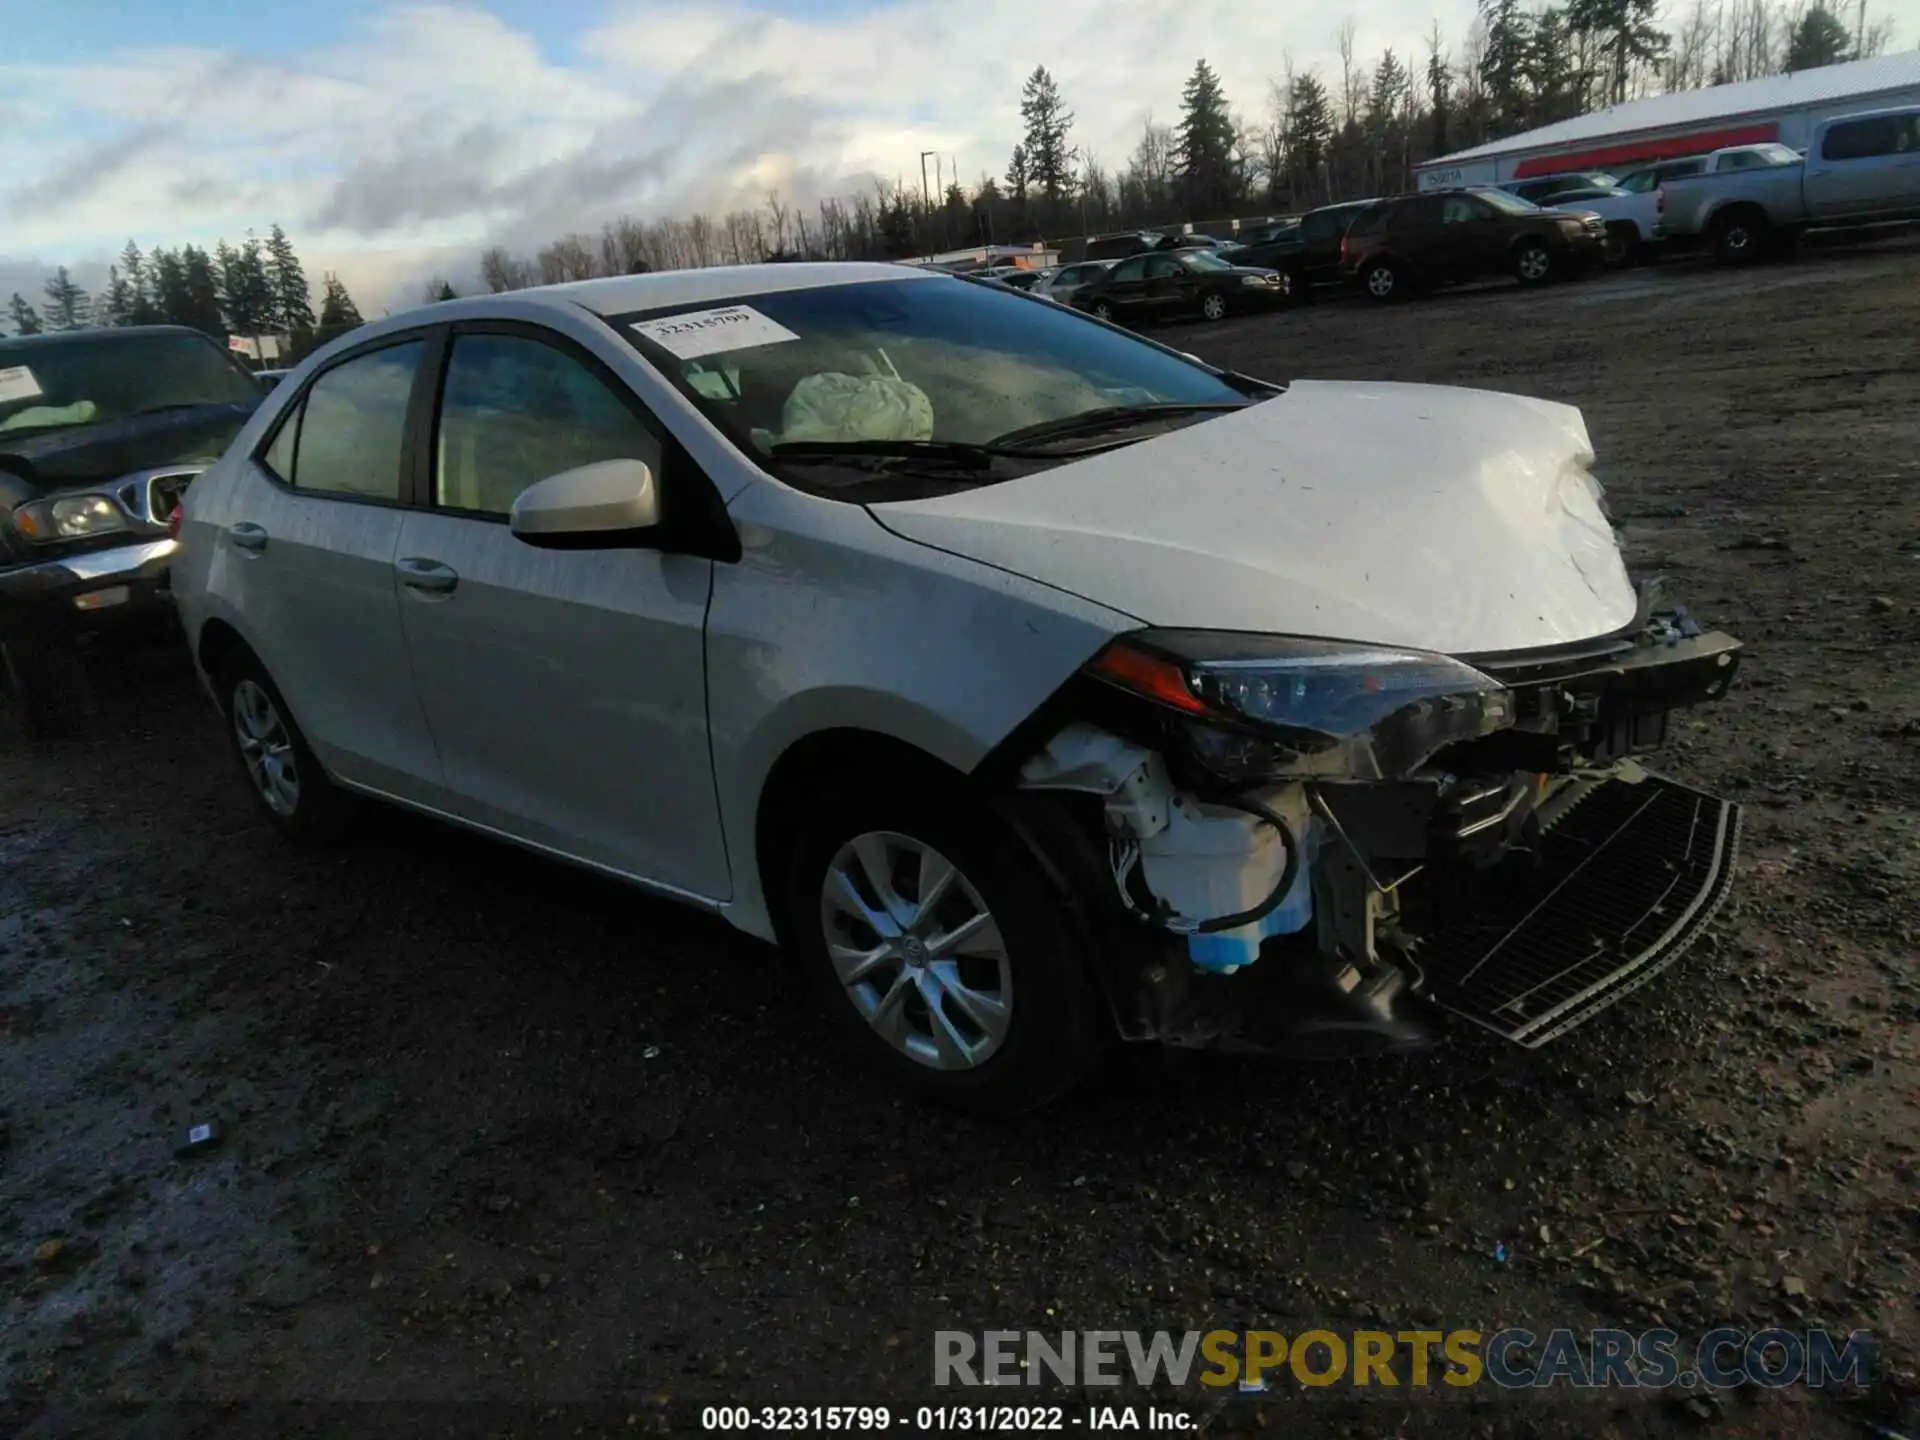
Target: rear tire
[(1103, 311), (1533, 263), (1741, 235), (1382, 281), (46, 679), (281, 771), (1000, 1022)]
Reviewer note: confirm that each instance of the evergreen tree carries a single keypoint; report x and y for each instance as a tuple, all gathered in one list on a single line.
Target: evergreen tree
[(1204, 145), (1049, 160), (1550, 70), (246, 290), (337, 310), (1309, 132), (143, 308), (167, 284), (1503, 63), (1439, 95), (1019, 176), (1820, 38), (1625, 32), (25, 320), (68, 306), (118, 301), (292, 302), (199, 293)]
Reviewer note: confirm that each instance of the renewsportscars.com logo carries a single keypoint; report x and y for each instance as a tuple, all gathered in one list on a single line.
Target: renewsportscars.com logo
[(1262, 1360)]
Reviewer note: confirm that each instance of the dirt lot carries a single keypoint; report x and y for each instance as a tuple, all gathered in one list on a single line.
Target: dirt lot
[(497, 1132)]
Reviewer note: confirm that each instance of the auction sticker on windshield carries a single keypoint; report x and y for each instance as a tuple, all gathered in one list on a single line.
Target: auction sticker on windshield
[(709, 332), (17, 383)]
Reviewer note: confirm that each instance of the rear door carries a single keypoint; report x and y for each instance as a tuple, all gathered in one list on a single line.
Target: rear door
[(1126, 287), (565, 688), (307, 559)]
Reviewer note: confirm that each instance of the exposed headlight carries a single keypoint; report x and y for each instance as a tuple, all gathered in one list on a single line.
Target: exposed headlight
[(1274, 705), (69, 517)]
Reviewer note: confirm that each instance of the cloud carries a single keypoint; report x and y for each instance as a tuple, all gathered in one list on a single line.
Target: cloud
[(429, 130)]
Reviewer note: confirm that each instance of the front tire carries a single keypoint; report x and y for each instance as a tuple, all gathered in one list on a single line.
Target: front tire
[(938, 949), (282, 773), (1214, 307)]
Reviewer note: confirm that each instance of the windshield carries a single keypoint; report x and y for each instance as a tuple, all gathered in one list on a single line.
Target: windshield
[(906, 362), (1511, 204), (1204, 260), (110, 376)]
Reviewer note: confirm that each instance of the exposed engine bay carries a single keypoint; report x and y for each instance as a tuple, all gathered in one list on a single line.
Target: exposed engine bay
[(1315, 847)]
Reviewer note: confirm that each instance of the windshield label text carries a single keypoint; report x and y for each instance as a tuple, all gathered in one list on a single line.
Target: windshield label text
[(17, 383), (710, 332)]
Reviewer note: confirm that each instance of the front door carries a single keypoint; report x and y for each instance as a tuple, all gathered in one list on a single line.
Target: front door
[(1170, 288), (307, 557), (565, 688), (1126, 288), (1470, 237)]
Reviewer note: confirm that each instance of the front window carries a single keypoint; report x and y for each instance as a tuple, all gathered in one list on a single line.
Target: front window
[(1509, 204), (935, 364), (99, 379), (1204, 261)]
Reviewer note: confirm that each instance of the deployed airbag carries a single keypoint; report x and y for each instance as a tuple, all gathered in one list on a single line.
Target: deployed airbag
[(833, 406)]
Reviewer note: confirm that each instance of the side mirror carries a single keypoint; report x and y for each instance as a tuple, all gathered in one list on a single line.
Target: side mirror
[(602, 506)]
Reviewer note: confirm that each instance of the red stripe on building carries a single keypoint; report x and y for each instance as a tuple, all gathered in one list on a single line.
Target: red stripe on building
[(1645, 152)]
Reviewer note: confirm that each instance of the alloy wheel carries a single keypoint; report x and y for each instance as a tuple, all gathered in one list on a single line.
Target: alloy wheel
[(1380, 282), (266, 746), (916, 950), (1534, 263), (1103, 311), (1213, 307)]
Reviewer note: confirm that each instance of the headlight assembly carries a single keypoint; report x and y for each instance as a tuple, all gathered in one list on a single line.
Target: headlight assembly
[(1270, 705), (69, 517)]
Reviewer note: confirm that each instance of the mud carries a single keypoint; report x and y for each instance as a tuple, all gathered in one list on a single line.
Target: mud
[(501, 1140)]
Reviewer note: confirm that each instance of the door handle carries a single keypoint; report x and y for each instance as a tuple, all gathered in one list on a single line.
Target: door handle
[(429, 577), (247, 536)]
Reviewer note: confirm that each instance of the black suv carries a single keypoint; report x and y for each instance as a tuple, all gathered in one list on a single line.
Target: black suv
[(1306, 254), (101, 431), (1446, 237)]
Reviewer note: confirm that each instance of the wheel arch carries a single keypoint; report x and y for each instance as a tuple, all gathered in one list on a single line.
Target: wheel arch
[(217, 645)]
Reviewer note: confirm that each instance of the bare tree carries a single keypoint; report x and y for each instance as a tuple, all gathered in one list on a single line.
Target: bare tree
[(1349, 74), (500, 271)]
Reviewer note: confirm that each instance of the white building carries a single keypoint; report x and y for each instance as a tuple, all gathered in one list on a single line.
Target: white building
[(1784, 108)]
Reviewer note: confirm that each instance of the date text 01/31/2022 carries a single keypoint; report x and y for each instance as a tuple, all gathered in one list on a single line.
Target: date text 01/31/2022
[(933, 1419)]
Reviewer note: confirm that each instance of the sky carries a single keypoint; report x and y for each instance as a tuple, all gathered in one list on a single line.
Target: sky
[(394, 140)]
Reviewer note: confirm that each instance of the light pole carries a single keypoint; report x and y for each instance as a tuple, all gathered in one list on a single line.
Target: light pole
[(926, 196)]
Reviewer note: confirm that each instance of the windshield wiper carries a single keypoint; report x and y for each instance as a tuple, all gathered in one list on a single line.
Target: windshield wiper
[(177, 405), (1108, 417), (957, 452)]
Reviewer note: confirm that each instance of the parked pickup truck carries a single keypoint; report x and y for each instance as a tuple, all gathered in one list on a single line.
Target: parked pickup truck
[(101, 431), (1859, 170)]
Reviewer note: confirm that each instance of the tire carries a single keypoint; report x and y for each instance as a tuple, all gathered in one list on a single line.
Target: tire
[(280, 769), (1533, 263), (1382, 280), (1213, 307), (1002, 1028), (46, 678), (1623, 243), (1103, 311), (1294, 289), (1741, 235)]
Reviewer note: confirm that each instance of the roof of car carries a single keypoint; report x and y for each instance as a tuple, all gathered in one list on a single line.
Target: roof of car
[(624, 294), (96, 334)]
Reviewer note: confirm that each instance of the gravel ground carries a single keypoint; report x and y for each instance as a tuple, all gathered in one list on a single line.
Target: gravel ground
[(499, 1133)]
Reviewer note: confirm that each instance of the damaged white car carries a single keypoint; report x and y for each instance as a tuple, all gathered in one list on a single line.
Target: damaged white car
[(1032, 683)]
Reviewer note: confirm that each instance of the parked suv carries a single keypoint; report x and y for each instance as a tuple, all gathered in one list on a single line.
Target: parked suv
[(1445, 237), (1307, 254), (100, 433), (1543, 188), (1031, 683)]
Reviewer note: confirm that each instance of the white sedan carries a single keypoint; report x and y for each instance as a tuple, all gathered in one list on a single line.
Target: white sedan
[(1032, 683)]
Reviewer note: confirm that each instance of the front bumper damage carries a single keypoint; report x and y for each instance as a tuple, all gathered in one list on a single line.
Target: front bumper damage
[(1522, 882)]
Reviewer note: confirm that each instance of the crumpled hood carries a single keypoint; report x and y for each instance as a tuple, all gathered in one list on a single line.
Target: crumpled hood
[(1462, 521)]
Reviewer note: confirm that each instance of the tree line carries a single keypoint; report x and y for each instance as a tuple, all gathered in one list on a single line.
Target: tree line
[(257, 287), (1310, 140)]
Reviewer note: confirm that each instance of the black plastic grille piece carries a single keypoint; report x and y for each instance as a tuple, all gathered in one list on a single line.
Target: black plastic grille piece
[(1625, 881)]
